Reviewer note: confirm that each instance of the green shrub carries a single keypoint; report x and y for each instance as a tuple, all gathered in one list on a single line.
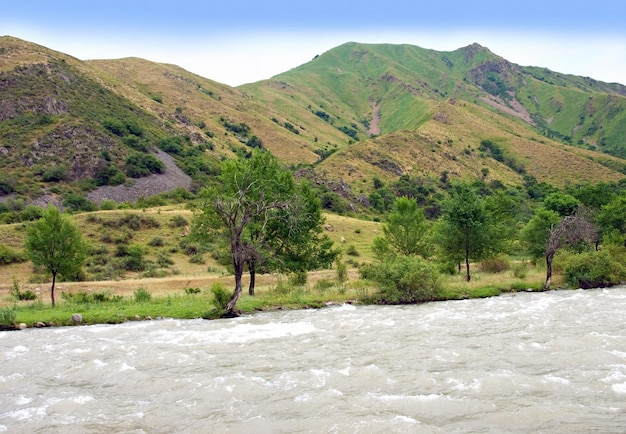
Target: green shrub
[(164, 260), (31, 213), (10, 256), (55, 173), (141, 295), (220, 297), (594, 269), (197, 259), (178, 221), (192, 291), (342, 272), (403, 280), (298, 278), (138, 165), (156, 242), (323, 285), (7, 317), (520, 270), (495, 265), (132, 257), (84, 297), (352, 251)]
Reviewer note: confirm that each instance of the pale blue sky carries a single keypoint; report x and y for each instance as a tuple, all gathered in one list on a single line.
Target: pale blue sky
[(236, 42)]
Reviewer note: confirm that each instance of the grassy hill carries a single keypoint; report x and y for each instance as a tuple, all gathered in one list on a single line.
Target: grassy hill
[(68, 127)]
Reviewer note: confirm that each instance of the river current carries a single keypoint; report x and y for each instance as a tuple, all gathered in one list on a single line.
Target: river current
[(528, 362)]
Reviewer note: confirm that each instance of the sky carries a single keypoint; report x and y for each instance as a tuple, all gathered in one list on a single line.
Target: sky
[(243, 41)]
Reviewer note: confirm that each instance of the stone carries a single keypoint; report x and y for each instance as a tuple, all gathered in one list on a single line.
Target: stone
[(22, 326), (77, 318)]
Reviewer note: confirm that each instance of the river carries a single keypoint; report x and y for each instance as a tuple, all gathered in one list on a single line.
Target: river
[(528, 362)]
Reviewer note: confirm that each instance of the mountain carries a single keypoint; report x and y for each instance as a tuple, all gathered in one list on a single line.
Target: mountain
[(431, 110), (115, 128)]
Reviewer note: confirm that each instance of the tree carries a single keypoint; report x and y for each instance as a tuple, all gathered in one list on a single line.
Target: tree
[(562, 203), (405, 231), (294, 242), (55, 243), (466, 231), (536, 233), (264, 216), (612, 216), (572, 231)]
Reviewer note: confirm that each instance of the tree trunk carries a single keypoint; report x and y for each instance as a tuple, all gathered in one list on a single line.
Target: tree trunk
[(467, 264), (549, 258), (54, 278), (230, 307), (252, 269)]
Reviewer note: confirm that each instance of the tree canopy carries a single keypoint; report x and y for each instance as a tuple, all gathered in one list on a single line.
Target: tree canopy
[(467, 230), (55, 243), (266, 218), (405, 231)]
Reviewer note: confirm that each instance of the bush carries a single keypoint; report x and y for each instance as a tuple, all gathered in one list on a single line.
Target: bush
[(10, 256), (77, 202), (18, 294), (403, 280), (298, 278), (7, 317), (352, 251), (31, 213), (142, 295), (495, 265), (178, 221), (595, 269), (55, 173), (138, 165), (520, 270), (220, 297), (156, 242), (84, 297)]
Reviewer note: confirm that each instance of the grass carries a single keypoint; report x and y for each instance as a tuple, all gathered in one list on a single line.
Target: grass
[(111, 306)]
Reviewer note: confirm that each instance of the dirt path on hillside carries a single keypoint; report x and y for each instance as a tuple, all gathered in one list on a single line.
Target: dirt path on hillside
[(374, 128)]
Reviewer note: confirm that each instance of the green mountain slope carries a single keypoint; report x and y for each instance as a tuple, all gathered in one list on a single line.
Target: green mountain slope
[(423, 98), (354, 112)]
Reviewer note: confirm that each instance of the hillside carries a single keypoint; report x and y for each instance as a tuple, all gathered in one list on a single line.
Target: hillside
[(113, 129)]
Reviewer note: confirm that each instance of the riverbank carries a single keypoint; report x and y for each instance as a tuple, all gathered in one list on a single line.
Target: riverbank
[(146, 303)]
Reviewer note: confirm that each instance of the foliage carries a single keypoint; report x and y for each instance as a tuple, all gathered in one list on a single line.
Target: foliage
[(141, 295), (496, 264), (76, 202), (612, 215), (403, 279), (466, 230), (595, 269), (562, 203), (7, 316), (574, 231), (220, 297), (55, 243), (10, 256), (535, 234), (17, 293), (298, 278), (139, 164), (84, 297), (405, 231), (266, 218)]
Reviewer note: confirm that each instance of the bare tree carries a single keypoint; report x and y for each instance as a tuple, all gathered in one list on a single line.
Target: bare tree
[(571, 231)]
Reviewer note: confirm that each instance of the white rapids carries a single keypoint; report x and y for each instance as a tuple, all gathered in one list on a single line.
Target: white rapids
[(528, 362)]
